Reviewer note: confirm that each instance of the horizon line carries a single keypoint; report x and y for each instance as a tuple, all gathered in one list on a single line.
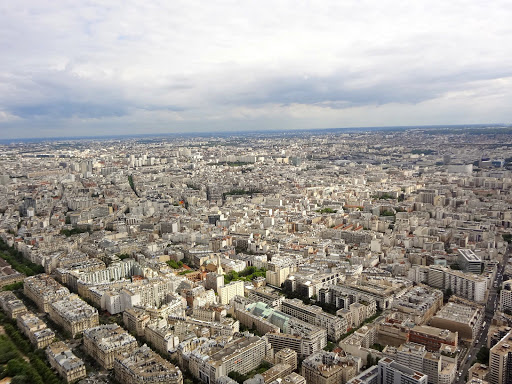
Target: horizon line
[(252, 131)]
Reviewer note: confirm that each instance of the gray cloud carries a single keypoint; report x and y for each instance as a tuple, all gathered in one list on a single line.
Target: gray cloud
[(160, 66)]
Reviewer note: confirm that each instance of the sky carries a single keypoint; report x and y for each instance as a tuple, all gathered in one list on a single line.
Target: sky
[(81, 68)]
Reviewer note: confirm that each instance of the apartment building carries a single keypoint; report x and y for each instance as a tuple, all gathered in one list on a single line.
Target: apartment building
[(391, 372), (304, 338), (420, 303), (73, 314), (266, 296), (335, 326), (328, 368), (143, 366), (359, 341), (276, 372), (440, 370), (36, 330), (244, 354), (11, 305), (214, 281), (135, 320), (104, 342), (160, 336), (506, 296), (225, 327), (227, 292), (70, 367), (286, 356), (303, 344), (466, 285), (368, 376), (277, 274), (479, 371), (44, 290), (343, 296), (500, 361)]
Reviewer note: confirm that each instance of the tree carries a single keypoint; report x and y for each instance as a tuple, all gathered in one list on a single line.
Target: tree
[(330, 346), (369, 360), (447, 293), (238, 377), (483, 356)]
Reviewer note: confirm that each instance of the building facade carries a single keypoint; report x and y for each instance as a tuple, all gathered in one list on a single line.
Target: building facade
[(104, 342)]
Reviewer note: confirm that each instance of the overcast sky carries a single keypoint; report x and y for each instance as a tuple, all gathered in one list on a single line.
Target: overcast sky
[(70, 68)]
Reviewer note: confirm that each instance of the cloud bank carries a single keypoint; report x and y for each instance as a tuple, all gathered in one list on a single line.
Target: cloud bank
[(112, 67)]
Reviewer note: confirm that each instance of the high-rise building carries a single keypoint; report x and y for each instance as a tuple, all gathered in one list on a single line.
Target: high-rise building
[(463, 284), (286, 356), (506, 296), (227, 292), (469, 261), (500, 361)]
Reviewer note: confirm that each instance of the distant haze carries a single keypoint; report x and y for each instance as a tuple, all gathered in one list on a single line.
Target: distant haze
[(78, 68)]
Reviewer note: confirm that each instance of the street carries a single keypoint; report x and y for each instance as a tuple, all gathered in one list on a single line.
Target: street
[(490, 308)]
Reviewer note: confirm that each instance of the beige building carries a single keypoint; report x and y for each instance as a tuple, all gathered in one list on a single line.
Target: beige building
[(277, 371), (478, 371), (12, 278), (328, 368), (335, 326), (276, 275), (303, 337), (210, 362), (286, 356), (227, 292), (464, 319), (135, 320), (103, 343), (73, 314), (160, 336), (500, 361), (419, 303), (267, 296), (253, 321), (11, 305), (143, 366), (44, 290), (439, 368), (61, 358), (35, 329), (293, 378)]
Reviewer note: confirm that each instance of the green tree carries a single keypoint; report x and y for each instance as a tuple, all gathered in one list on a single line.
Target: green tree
[(447, 293), (238, 377), (369, 360), (483, 356)]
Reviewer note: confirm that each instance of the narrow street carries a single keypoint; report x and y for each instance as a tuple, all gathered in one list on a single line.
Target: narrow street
[(491, 306)]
